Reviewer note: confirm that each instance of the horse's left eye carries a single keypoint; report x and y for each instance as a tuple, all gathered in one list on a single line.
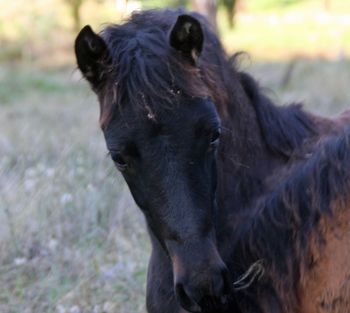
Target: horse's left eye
[(215, 136), (119, 161)]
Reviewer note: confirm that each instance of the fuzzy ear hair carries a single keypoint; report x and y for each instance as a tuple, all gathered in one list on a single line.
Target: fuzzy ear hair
[(187, 37), (91, 54)]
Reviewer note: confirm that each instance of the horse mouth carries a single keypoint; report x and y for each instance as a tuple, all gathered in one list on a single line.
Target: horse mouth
[(201, 284)]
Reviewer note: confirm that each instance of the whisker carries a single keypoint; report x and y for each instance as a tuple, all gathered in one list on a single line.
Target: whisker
[(230, 132), (226, 129), (230, 157)]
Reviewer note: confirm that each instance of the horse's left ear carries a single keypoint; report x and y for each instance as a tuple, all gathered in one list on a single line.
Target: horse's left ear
[(187, 37)]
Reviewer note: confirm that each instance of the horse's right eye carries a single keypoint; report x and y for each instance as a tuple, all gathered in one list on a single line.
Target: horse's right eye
[(119, 161), (215, 136)]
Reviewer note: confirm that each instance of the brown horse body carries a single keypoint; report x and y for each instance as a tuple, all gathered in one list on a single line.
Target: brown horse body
[(325, 287), (283, 175), (325, 283)]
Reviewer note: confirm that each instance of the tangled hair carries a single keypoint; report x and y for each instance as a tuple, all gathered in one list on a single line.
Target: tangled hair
[(144, 70)]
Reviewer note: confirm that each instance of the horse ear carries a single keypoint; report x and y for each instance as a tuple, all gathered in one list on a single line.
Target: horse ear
[(92, 55), (187, 36)]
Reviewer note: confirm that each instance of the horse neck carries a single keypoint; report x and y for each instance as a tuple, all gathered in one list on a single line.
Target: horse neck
[(244, 160), (259, 138)]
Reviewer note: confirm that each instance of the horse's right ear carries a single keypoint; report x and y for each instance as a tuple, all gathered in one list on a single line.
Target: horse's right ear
[(92, 55)]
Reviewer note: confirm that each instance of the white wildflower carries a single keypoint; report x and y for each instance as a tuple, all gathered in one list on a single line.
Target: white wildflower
[(20, 261), (66, 198)]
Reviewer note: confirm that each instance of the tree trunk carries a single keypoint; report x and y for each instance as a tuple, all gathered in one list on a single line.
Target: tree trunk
[(75, 6), (231, 16), (76, 18), (231, 7), (208, 8)]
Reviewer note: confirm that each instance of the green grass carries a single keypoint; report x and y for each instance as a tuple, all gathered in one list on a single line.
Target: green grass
[(265, 6), (71, 236), (16, 84), (279, 36)]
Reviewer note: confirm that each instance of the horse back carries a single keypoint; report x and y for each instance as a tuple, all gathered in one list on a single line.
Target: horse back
[(330, 126)]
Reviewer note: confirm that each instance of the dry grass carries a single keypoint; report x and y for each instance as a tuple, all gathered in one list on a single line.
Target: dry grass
[(63, 240), (71, 238)]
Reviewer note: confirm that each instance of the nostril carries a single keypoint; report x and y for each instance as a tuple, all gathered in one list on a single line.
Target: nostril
[(223, 300), (185, 299), (227, 287)]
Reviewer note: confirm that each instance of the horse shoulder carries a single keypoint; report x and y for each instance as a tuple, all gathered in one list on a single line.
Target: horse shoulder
[(331, 125), (343, 119), (325, 285)]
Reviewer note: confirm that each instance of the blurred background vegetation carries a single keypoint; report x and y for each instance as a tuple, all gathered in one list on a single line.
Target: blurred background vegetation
[(43, 30), (71, 238)]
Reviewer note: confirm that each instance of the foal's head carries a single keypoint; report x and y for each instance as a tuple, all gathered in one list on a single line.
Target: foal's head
[(162, 131)]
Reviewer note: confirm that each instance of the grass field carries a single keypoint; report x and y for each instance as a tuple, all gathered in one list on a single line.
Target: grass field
[(71, 238), (63, 240)]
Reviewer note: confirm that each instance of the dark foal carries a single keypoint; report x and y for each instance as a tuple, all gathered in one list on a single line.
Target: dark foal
[(223, 176)]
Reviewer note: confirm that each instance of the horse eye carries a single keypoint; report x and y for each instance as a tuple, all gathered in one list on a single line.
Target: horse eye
[(119, 161), (214, 138)]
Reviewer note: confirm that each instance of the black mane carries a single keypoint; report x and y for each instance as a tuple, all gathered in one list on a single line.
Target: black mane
[(284, 128)]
